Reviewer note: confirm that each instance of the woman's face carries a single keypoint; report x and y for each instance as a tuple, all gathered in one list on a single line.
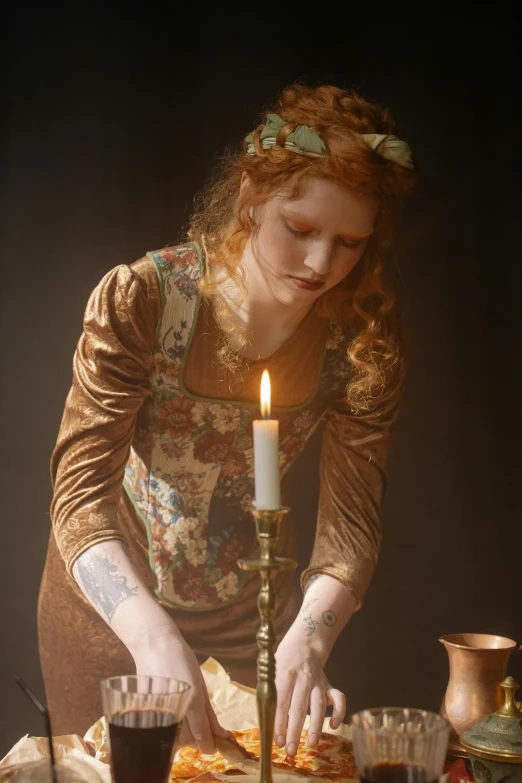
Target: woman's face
[(306, 245)]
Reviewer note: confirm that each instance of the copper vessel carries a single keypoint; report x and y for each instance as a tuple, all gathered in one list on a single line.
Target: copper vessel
[(477, 663)]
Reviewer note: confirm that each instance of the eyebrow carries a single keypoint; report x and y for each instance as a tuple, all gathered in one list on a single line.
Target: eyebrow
[(351, 237)]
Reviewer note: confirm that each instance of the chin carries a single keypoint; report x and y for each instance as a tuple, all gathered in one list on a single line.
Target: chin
[(294, 297)]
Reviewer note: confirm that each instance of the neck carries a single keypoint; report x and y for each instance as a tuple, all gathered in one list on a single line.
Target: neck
[(261, 312)]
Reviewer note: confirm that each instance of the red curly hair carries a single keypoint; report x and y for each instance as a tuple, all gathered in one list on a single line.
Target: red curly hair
[(223, 224)]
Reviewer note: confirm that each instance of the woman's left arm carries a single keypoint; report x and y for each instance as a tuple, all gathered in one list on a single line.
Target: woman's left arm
[(348, 535), (300, 658)]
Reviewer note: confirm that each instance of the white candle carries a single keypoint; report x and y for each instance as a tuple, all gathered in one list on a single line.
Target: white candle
[(266, 453)]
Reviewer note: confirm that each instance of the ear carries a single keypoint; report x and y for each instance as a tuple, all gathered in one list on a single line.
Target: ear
[(245, 182)]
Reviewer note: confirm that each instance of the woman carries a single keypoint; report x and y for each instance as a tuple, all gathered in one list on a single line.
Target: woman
[(152, 472)]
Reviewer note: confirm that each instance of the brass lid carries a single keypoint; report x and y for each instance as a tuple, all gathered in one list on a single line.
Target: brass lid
[(499, 736)]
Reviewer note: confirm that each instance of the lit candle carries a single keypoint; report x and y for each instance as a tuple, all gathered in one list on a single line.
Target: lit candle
[(266, 453)]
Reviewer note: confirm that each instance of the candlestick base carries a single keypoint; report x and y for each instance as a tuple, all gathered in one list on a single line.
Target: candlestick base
[(268, 524)]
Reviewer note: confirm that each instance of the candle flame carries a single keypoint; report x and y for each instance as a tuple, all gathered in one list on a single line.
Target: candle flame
[(265, 395)]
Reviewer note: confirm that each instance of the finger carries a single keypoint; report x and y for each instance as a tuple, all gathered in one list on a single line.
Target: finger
[(215, 727), (297, 714), (199, 726), (184, 737), (317, 713), (284, 696), (338, 699)]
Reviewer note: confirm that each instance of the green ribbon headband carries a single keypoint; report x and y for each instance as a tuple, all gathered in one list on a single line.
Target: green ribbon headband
[(390, 148), (302, 140), (305, 141)]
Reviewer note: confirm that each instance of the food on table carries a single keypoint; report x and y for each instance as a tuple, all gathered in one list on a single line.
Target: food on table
[(331, 759)]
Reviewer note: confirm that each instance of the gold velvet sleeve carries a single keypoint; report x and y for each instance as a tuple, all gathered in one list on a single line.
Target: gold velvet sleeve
[(352, 483), (110, 382)]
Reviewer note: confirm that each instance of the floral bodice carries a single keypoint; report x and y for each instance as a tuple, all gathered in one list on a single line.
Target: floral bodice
[(190, 472)]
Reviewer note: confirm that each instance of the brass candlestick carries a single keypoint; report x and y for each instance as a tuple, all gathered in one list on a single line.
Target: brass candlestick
[(268, 523)]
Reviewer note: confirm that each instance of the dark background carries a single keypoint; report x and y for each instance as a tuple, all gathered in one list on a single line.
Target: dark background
[(111, 123)]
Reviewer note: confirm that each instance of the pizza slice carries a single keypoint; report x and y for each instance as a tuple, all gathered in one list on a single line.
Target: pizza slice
[(332, 759)]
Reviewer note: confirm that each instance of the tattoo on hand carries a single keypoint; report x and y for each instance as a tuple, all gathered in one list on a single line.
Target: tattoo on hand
[(310, 625), (101, 583), (308, 603), (329, 618)]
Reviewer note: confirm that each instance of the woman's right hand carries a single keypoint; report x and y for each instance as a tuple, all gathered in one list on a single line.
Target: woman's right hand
[(148, 633), (166, 654)]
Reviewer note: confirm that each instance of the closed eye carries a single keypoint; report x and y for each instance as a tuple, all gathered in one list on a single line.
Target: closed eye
[(352, 244), (304, 232), (295, 232)]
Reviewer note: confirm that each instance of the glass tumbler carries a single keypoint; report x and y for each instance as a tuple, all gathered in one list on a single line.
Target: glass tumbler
[(143, 715), (399, 745)]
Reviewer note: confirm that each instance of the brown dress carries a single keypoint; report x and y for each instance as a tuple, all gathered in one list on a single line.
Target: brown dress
[(110, 383)]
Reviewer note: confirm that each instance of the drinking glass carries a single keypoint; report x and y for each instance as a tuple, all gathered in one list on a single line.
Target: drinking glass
[(399, 745), (143, 715)]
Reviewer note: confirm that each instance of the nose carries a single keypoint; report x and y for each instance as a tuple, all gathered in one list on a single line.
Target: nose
[(319, 258)]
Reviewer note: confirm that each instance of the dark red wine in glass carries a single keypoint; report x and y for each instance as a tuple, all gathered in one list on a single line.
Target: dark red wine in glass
[(142, 745), (391, 772)]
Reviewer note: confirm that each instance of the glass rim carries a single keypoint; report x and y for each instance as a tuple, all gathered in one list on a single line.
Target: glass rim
[(108, 683), (440, 724)]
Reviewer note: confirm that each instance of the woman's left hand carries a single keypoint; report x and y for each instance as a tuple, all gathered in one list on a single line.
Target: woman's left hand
[(301, 681)]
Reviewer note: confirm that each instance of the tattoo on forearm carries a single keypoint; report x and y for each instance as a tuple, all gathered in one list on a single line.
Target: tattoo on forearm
[(101, 582), (310, 625), (307, 604), (329, 618)]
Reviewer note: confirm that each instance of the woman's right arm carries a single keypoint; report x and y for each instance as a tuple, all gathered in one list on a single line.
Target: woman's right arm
[(107, 577), (110, 383)]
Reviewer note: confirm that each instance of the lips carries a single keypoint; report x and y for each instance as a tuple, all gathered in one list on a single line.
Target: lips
[(308, 285)]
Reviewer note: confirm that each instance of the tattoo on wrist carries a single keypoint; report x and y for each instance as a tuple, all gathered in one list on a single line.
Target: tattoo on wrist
[(308, 603), (101, 582), (329, 618), (310, 625)]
